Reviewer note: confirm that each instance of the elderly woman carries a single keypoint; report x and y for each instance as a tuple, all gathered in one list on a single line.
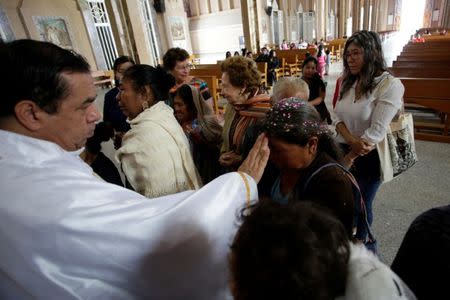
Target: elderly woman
[(154, 156), (241, 83), (369, 99), (204, 132), (176, 62), (302, 148)]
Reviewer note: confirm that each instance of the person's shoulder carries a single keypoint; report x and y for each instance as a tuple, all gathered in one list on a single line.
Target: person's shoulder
[(112, 93)]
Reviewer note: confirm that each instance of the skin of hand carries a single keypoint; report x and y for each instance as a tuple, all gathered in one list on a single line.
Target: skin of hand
[(256, 161), (361, 147), (230, 158)]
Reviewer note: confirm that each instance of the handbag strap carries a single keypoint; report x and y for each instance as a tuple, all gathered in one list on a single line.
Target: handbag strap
[(355, 185)]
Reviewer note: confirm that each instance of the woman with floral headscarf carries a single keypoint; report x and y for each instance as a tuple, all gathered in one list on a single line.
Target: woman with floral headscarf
[(302, 148)]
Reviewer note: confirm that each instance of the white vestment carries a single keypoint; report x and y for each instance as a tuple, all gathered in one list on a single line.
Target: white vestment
[(65, 234)]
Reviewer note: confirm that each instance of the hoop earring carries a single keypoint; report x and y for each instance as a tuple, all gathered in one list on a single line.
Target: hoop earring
[(145, 105)]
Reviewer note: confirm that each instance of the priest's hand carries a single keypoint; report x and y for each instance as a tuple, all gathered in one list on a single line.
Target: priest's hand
[(256, 161)]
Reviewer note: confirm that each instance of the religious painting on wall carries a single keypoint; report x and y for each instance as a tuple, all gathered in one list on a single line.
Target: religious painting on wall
[(177, 28), (54, 30), (6, 33)]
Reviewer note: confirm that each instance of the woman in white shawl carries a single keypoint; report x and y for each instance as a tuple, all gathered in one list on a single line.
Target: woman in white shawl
[(154, 156)]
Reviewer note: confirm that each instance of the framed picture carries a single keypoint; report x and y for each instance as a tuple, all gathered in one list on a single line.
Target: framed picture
[(54, 30), (6, 33), (177, 28)]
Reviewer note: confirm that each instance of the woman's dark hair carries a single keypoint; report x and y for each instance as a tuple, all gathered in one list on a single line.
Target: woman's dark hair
[(185, 93), (308, 59), (103, 132), (319, 50), (236, 53), (35, 72), (157, 78), (172, 56), (374, 63), (294, 251), (242, 71), (295, 121), (121, 60), (271, 53)]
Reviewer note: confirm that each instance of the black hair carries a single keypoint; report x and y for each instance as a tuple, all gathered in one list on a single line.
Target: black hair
[(185, 93), (309, 59), (319, 50), (294, 251), (228, 54), (172, 56), (374, 63), (157, 78), (35, 72), (103, 132), (121, 60), (327, 51), (303, 123)]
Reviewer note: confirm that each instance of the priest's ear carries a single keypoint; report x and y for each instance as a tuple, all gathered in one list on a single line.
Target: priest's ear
[(30, 115)]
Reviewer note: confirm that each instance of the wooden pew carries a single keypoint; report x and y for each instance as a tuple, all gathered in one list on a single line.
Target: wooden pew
[(443, 59), (434, 94), (417, 64), (104, 78), (443, 72)]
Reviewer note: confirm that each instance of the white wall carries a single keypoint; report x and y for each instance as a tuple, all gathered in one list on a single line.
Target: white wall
[(215, 34)]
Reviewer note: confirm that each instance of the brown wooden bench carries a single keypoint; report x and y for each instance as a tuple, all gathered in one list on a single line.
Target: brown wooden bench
[(432, 93), (417, 64), (426, 58), (443, 72), (103, 78)]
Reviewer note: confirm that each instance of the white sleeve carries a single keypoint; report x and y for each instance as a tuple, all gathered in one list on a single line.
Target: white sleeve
[(389, 101)]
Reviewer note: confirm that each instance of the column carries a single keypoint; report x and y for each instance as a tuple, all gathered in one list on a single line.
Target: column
[(366, 14), (356, 13), (248, 24)]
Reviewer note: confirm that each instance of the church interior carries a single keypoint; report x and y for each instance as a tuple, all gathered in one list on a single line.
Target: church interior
[(413, 34)]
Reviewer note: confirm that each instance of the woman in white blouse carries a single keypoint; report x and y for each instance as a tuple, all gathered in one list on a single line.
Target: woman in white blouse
[(369, 99)]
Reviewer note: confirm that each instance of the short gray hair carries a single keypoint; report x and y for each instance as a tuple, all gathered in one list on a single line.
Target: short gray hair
[(290, 87)]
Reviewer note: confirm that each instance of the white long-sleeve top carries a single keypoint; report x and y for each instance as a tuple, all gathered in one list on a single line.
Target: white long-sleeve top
[(65, 234), (369, 116)]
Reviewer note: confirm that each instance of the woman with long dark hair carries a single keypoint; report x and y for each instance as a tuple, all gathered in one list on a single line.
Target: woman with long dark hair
[(369, 99)]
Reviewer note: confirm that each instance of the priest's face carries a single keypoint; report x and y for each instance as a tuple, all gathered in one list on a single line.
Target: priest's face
[(74, 121)]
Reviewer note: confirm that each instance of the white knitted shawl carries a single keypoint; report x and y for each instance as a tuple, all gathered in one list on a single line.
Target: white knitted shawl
[(155, 155)]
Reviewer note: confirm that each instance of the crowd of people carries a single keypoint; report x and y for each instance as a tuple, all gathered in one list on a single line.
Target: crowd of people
[(73, 230)]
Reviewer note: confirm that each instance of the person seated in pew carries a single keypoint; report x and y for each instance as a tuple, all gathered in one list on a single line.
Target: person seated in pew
[(249, 54), (202, 129), (93, 156), (301, 251), (236, 53), (155, 141), (71, 235), (111, 111), (422, 260), (228, 54), (264, 56), (241, 86), (176, 62)]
